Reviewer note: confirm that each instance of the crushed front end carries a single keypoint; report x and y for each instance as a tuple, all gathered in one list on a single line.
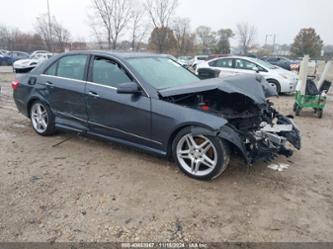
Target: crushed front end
[(272, 135), (254, 128)]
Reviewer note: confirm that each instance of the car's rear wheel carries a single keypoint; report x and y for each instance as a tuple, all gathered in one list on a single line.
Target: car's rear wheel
[(200, 156), (42, 119)]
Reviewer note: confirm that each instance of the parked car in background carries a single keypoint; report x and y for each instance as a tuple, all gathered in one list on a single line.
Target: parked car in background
[(282, 80), (185, 60), (3, 51), (283, 62), (26, 65), (198, 59), (3, 60), (39, 52), (15, 56), (151, 102)]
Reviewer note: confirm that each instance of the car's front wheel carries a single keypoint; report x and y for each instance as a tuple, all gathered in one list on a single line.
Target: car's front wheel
[(200, 156), (42, 119), (275, 84)]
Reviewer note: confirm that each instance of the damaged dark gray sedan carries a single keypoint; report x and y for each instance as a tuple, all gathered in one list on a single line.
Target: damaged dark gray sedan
[(152, 103)]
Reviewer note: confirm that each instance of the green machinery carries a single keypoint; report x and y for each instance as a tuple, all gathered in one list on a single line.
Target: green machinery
[(316, 102), (311, 94)]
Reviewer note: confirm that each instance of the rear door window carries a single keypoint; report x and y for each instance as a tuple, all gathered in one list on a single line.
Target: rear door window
[(244, 64), (225, 63), (72, 67)]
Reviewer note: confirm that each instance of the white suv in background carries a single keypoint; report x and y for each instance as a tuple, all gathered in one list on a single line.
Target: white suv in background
[(283, 80)]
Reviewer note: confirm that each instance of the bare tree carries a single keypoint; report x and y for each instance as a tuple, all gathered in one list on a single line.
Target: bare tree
[(55, 36), (139, 27), (161, 11), (44, 30), (103, 11), (246, 34), (184, 37), (113, 16), (6, 37), (61, 36)]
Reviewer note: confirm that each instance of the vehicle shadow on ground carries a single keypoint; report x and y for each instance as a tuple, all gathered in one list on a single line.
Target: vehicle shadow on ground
[(237, 167)]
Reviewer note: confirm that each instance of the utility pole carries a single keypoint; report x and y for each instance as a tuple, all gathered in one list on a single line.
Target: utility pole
[(49, 15), (274, 42), (50, 25)]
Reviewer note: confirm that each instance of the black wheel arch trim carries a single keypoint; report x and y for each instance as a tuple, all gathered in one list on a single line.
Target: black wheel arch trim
[(33, 99), (275, 82)]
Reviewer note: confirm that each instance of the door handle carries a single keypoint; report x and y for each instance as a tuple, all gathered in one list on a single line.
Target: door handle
[(32, 81), (49, 83), (93, 94)]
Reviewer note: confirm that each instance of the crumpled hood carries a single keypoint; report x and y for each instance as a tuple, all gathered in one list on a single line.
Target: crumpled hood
[(253, 86)]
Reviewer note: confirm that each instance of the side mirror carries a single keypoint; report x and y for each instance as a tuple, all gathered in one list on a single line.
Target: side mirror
[(256, 69), (128, 88)]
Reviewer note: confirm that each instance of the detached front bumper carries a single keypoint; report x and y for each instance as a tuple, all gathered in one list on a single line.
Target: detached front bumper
[(273, 140), (267, 143)]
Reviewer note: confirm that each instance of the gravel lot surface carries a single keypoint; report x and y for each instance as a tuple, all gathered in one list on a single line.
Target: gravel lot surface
[(70, 188)]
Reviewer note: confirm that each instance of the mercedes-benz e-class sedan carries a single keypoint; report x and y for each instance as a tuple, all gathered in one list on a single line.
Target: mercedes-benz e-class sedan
[(152, 103)]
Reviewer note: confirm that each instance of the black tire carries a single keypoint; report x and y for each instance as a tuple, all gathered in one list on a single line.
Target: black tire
[(277, 85), (320, 113), (298, 109), (50, 130), (223, 155)]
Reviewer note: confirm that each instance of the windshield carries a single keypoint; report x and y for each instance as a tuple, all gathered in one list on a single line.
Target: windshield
[(35, 56), (264, 63), (185, 58), (161, 72)]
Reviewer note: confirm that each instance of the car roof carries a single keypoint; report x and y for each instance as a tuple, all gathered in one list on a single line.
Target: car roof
[(233, 57), (120, 55)]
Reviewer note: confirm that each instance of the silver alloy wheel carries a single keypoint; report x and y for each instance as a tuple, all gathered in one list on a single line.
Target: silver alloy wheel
[(39, 117), (197, 155)]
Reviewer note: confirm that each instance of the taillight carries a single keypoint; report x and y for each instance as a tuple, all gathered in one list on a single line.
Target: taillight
[(15, 84), (204, 107)]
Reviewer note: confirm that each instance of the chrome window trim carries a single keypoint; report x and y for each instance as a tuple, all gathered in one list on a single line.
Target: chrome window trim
[(64, 78), (86, 82), (105, 56), (100, 84)]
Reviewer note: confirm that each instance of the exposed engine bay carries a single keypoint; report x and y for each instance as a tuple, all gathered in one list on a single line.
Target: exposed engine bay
[(254, 126)]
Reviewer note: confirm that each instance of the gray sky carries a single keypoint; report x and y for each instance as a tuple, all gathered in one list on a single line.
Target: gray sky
[(281, 17)]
